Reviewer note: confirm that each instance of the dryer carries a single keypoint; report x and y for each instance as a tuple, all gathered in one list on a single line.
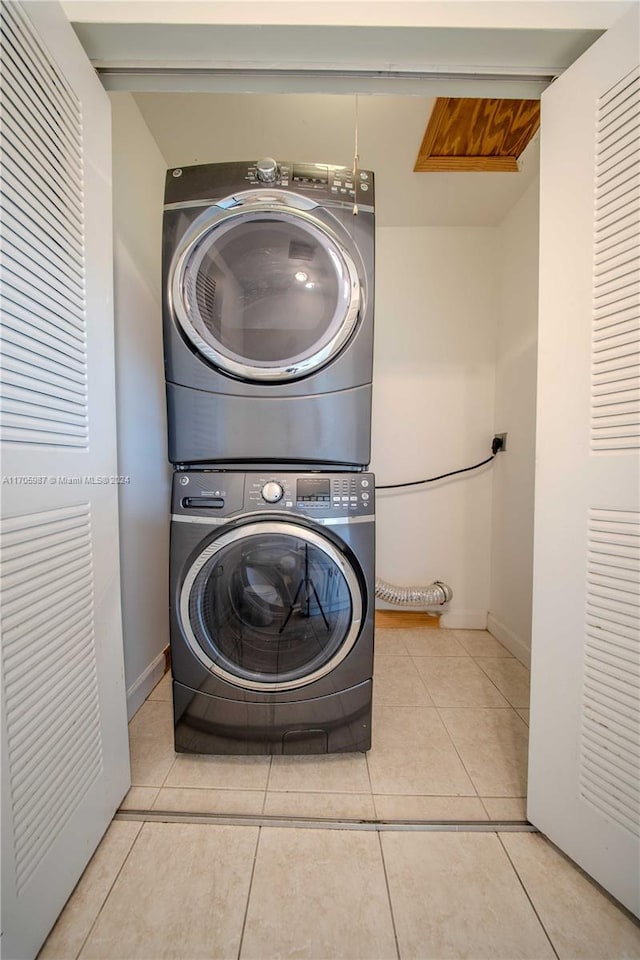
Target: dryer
[(272, 611), (268, 296)]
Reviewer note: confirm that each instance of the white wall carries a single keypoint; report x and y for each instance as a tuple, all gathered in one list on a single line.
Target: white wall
[(433, 409), (138, 187), (515, 411)]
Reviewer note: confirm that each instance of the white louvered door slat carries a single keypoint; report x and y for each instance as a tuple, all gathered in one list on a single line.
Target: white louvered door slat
[(584, 761), (65, 760)]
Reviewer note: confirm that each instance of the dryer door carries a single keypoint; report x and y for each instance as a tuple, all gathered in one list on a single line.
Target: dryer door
[(264, 287), (271, 606)]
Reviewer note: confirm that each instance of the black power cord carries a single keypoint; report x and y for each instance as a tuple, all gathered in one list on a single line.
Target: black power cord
[(496, 446)]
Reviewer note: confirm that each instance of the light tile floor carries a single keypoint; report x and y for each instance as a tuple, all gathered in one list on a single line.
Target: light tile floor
[(450, 742), (193, 891)]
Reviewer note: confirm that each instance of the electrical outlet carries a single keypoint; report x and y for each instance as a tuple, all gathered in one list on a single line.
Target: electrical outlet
[(501, 440)]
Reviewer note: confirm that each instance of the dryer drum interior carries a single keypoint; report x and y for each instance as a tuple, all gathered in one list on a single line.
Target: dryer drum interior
[(271, 606), (265, 294)]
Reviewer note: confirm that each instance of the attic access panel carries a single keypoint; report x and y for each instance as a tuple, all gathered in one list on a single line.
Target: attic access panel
[(468, 133)]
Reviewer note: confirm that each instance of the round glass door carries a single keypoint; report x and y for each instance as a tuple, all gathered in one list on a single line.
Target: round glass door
[(271, 606), (265, 294)]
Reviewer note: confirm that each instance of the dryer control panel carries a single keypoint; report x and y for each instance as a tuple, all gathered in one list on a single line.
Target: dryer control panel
[(318, 496), (322, 181), (327, 180)]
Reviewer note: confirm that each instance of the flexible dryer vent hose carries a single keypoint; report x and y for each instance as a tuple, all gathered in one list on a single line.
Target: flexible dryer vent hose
[(432, 596)]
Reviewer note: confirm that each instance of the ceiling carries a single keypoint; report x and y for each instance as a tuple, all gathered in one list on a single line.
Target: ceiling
[(221, 80), (204, 128)]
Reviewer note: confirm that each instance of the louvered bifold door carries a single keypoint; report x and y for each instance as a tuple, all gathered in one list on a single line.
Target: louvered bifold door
[(64, 745), (584, 771)]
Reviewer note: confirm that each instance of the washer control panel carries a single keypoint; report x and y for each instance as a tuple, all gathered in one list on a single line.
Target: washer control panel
[(317, 495), (210, 493)]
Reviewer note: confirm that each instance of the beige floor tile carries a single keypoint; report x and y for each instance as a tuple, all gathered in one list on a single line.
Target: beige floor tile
[(74, 923), (151, 743), (506, 808), (162, 690), (153, 719), (493, 745), (458, 682), (151, 759), (429, 808), (181, 894), (396, 681), (330, 773), (510, 677), (582, 923), (524, 714), (336, 806), (480, 643), (219, 773), (390, 642), (318, 894), (456, 895), (202, 800), (139, 798), (413, 754), (433, 643)]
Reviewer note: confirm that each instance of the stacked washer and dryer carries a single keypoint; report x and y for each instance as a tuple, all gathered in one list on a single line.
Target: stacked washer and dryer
[(268, 335)]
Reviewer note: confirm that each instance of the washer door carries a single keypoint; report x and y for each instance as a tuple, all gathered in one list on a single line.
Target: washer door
[(263, 288), (271, 606)]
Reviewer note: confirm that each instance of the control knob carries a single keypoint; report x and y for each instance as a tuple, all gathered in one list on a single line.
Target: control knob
[(267, 170), (272, 491)]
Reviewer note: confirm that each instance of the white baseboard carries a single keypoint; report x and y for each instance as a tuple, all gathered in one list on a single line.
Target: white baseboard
[(513, 643), (464, 620), (138, 692)]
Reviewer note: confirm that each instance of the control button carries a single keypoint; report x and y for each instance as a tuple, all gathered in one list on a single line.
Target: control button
[(353, 498), (365, 496), (364, 483), (272, 492), (364, 186), (336, 499), (267, 170), (345, 499), (364, 175)]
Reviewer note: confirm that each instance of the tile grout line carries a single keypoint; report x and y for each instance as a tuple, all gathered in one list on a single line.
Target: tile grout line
[(421, 678), (479, 795), (266, 785), (458, 754), (249, 891), (490, 678), (386, 881), (366, 761), (526, 893), (109, 892)]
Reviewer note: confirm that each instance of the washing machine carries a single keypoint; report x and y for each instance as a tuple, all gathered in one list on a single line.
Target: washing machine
[(268, 313), (272, 611)]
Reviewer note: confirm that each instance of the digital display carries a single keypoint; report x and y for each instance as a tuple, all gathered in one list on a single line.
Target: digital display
[(311, 174), (313, 488)]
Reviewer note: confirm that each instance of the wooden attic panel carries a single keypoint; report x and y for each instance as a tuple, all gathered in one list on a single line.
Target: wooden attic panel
[(467, 133)]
